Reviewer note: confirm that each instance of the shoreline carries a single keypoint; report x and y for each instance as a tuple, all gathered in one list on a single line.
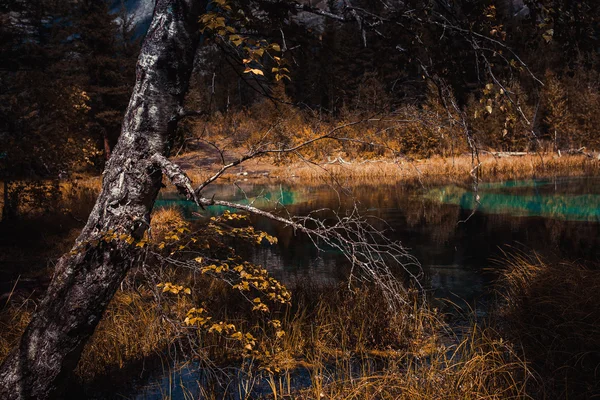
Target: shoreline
[(437, 170)]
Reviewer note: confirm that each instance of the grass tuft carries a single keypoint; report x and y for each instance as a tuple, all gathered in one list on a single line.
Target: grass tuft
[(551, 310)]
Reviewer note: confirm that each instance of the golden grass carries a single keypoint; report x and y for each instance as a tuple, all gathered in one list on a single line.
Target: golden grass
[(164, 220), (350, 343), (132, 329), (480, 366), (353, 347), (551, 309), (14, 318), (434, 170)]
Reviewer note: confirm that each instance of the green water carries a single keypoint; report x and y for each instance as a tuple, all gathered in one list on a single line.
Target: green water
[(260, 196), (536, 200)]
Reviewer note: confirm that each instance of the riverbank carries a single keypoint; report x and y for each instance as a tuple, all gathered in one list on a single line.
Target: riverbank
[(431, 171), (78, 193)]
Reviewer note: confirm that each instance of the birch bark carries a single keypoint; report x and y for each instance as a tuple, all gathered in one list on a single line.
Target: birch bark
[(86, 279)]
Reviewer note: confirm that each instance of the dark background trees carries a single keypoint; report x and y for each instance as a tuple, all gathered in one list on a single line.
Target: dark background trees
[(66, 70), (401, 48)]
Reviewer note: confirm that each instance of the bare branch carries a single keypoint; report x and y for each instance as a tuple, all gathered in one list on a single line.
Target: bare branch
[(176, 176), (262, 152), (369, 251)]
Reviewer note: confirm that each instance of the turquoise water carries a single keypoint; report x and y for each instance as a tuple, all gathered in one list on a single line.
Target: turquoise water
[(541, 198), (456, 237), (260, 196)]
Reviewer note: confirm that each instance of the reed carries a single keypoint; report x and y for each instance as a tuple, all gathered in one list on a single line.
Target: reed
[(551, 310)]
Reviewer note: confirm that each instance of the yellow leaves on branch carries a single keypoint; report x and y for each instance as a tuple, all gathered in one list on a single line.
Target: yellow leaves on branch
[(259, 305), (254, 71), (267, 237), (276, 324), (109, 236), (220, 22), (215, 268), (169, 287), (222, 327), (247, 232), (252, 276), (195, 316)]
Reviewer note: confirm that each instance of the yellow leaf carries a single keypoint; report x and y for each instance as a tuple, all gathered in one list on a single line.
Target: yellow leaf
[(254, 71), (236, 40), (237, 336)]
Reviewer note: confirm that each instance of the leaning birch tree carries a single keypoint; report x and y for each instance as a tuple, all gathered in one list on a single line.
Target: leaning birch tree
[(86, 278)]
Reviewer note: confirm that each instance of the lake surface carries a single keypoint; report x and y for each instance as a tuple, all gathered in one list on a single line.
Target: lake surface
[(459, 236)]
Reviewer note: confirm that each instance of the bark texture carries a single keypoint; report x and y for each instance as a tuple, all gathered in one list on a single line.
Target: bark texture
[(86, 279)]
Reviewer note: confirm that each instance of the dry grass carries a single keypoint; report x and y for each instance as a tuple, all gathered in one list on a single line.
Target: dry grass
[(481, 366), (14, 318), (354, 349), (442, 170), (435, 170), (132, 330), (164, 220), (551, 309), (350, 343)]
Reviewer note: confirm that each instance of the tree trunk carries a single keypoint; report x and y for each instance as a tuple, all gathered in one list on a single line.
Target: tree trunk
[(86, 279)]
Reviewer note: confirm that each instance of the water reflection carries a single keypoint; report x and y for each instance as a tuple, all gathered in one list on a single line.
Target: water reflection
[(557, 218), (567, 199)]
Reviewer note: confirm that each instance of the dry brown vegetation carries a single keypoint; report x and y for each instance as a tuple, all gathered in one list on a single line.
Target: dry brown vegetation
[(551, 309), (431, 171), (562, 118)]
